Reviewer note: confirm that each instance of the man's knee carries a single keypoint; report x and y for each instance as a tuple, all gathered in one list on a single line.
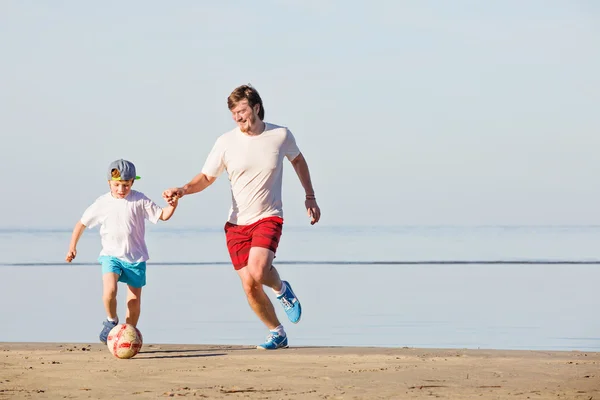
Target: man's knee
[(258, 270), (252, 288), (260, 263)]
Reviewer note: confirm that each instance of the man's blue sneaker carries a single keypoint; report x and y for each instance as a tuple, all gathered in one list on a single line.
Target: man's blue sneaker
[(108, 325), (290, 303), (274, 342)]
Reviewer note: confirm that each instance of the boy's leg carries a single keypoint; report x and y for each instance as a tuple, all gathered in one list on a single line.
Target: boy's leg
[(109, 298), (134, 275), (134, 301), (109, 294)]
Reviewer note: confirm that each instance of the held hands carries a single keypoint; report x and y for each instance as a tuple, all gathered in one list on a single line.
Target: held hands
[(71, 255), (172, 195), (313, 210), (173, 201)]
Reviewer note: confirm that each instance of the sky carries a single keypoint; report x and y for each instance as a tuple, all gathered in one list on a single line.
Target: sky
[(408, 112)]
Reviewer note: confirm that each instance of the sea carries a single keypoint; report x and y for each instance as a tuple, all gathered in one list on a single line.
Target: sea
[(464, 287)]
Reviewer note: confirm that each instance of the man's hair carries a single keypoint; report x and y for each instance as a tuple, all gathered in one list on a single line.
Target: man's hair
[(246, 92)]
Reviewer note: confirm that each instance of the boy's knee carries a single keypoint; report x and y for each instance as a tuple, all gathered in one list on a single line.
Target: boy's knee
[(133, 302), (109, 293)]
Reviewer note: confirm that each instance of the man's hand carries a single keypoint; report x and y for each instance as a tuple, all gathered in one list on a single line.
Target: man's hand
[(172, 195), (313, 210)]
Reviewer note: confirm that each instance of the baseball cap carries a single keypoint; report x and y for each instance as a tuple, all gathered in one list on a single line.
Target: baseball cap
[(125, 168)]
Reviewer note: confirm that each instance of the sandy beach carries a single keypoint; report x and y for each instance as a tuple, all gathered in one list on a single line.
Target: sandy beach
[(81, 371)]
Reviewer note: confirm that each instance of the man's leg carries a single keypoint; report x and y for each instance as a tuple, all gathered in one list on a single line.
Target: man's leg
[(254, 275), (265, 239), (252, 250), (260, 267), (261, 270)]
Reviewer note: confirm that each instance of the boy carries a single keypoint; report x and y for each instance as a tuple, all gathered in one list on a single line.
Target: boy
[(121, 214)]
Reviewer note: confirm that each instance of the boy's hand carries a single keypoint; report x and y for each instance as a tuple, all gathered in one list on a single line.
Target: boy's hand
[(71, 255), (172, 195)]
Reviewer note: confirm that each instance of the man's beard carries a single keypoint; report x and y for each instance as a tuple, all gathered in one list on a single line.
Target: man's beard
[(250, 121)]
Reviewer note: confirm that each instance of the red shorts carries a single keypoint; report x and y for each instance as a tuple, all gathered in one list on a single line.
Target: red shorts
[(240, 238)]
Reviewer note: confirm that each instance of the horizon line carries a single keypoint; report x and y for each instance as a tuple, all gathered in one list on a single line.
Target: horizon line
[(334, 262), (405, 226)]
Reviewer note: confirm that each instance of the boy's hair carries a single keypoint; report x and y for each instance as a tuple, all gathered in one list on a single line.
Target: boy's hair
[(115, 173), (246, 92)]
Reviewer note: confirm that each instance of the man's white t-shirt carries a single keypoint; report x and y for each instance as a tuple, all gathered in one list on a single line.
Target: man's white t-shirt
[(255, 168), (122, 224)]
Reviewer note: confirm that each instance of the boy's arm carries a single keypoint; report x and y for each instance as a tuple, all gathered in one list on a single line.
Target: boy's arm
[(77, 232), (169, 210)]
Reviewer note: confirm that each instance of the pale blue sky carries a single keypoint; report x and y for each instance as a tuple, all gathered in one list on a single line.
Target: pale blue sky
[(408, 112)]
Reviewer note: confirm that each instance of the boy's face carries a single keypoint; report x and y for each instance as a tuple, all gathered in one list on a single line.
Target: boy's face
[(120, 189)]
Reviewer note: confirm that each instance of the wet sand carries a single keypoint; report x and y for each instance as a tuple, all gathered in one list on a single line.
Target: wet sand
[(81, 371)]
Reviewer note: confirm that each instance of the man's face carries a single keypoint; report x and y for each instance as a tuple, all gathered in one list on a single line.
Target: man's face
[(245, 116), (120, 189)]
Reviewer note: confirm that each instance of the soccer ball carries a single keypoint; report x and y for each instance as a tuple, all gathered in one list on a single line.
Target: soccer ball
[(124, 341)]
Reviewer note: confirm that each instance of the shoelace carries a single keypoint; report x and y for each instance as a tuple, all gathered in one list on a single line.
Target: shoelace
[(271, 337), (286, 303)]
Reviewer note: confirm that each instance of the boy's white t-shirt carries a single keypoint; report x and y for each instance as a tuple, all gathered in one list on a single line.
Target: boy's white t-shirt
[(122, 224), (255, 168)]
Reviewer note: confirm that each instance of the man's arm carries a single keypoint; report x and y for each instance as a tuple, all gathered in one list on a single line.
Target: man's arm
[(301, 167), (197, 184)]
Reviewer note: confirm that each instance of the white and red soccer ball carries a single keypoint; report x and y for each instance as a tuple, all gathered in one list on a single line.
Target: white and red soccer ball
[(124, 341)]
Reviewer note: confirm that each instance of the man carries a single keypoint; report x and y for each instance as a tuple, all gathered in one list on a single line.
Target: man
[(252, 154)]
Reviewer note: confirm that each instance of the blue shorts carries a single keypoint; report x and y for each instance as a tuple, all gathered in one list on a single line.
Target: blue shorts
[(132, 274)]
